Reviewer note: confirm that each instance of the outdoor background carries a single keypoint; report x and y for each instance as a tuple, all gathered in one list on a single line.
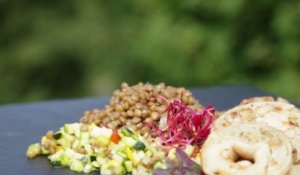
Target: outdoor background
[(68, 49)]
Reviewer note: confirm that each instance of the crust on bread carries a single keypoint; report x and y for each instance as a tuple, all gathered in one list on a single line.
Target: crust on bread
[(263, 99)]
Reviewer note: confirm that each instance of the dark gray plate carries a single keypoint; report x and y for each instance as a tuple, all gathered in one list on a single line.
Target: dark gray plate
[(23, 124)]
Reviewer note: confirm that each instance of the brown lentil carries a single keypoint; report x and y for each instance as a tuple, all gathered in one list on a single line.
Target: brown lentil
[(145, 129), (132, 105), (154, 115), (136, 120)]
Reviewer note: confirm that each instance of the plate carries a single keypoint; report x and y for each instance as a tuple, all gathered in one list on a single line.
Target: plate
[(23, 124)]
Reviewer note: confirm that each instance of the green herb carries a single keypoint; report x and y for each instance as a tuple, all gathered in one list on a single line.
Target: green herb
[(127, 132), (57, 135), (56, 163), (139, 146), (93, 158)]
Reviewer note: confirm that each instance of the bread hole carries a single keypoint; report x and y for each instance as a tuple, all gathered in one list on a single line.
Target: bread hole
[(241, 158), (293, 122), (240, 155), (294, 154)]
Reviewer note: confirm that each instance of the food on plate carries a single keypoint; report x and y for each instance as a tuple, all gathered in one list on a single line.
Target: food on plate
[(263, 99), (161, 129), (87, 148), (294, 136), (247, 149), (257, 99), (282, 116), (130, 106), (182, 165), (183, 125), (119, 140)]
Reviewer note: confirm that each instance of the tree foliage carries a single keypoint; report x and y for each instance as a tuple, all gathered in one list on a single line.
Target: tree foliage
[(64, 49)]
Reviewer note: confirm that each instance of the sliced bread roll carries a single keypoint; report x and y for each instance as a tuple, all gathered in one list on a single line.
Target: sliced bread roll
[(247, 149), (282, 116)]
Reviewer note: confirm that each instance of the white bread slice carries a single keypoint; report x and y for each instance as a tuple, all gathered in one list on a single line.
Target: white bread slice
[(247, 149), (280, 115)]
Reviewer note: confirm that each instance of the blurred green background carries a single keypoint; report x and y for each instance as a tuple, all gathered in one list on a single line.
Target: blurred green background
[(72, 48)]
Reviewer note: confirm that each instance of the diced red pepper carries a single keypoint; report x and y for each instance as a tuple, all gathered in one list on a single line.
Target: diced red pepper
[(115, 137)]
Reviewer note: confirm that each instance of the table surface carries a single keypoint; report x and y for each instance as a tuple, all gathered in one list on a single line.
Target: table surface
[(23, 124)]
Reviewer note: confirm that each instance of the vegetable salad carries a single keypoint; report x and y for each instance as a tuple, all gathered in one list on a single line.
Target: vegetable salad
[(94, 148), (113, 140)]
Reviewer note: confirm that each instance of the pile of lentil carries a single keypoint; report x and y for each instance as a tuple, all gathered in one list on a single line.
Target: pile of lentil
[(130, 106)]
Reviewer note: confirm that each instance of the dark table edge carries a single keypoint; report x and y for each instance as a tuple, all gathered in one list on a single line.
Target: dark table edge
[(108, 97)]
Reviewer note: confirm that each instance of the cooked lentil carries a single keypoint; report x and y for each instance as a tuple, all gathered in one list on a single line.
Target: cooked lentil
[(132, 105)]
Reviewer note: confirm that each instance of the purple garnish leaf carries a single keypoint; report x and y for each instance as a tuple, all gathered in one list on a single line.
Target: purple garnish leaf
[(183, 166)]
